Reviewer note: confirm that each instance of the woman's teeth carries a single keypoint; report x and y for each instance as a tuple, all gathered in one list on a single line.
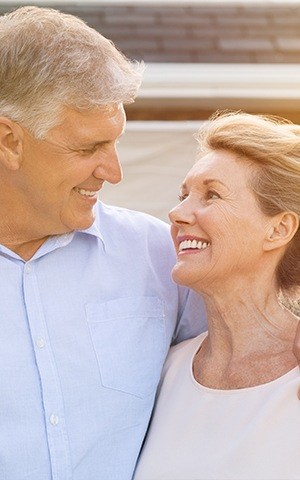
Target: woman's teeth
[(193, 244)]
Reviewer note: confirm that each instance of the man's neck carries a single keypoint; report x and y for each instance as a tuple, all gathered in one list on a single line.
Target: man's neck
[(25, 249)]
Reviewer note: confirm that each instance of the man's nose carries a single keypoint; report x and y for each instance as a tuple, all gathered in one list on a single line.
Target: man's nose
[(110, 170)]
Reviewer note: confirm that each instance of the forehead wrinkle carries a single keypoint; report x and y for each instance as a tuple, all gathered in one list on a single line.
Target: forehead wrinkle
[(84, 139), (86, 121)]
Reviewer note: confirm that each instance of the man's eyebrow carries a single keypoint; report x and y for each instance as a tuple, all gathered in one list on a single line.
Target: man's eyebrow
[(103, 142), (96, 143)]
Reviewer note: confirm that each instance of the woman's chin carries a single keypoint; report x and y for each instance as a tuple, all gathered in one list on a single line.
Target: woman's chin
[(200, 283), (182, 277)]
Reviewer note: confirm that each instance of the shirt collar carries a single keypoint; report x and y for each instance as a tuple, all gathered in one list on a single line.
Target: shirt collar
[(94, 230), (57, 241)]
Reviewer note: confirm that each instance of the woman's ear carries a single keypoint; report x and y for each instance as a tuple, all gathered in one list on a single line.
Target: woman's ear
[(281, 231), (11, 136)]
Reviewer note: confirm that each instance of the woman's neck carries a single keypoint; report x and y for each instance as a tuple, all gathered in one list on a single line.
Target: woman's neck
[(249, 342)]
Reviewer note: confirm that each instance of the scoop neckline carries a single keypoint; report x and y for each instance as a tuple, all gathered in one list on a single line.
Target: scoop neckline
[(235, 391)]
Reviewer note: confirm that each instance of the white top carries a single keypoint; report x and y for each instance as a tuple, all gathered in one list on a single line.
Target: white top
[(199, 433)]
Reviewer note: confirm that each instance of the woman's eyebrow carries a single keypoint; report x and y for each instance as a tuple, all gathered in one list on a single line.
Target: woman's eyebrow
[(207, 181), (213, 180)]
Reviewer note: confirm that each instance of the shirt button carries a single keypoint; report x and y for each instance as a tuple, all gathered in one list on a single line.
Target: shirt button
[(54, 419), (40, 342), (27, 268)]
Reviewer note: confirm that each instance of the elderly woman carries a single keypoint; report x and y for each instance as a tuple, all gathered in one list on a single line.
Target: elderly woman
[(228, 406)]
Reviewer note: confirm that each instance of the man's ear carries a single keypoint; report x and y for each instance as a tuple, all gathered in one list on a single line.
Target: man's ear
[(281, 231), (11, 136)]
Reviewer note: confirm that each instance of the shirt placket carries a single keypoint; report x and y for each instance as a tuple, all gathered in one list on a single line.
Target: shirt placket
[(50, 385)]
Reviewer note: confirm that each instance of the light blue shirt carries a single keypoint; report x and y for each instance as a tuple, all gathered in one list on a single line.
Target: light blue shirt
[(85, 328)]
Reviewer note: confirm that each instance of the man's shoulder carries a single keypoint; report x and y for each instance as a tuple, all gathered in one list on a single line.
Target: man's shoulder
[(191, 344), (109, 217)]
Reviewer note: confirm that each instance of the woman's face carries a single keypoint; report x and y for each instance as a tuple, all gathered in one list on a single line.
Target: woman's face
[(218, 228)]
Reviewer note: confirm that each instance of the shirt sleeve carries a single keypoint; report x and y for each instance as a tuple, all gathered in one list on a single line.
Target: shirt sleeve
[(191, 316)]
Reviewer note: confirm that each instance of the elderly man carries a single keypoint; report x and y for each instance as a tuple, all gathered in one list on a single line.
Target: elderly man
[(87, 308)]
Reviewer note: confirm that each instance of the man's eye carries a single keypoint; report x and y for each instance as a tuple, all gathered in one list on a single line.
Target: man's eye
[(88, 151)]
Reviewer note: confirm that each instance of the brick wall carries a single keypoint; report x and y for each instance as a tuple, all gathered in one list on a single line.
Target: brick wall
[(237, 33), (218, 33)]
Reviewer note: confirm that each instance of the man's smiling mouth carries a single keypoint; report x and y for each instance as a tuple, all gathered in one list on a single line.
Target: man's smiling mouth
[(86, 193)]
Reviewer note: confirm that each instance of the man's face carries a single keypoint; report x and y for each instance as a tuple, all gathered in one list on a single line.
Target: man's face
[(60, 176)]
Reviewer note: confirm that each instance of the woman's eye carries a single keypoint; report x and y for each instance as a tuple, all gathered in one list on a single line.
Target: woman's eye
[(182, 197), (212, 194)]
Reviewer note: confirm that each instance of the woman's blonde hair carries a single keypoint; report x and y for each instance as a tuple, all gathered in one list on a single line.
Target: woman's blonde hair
[(49, 59), (273, 145)]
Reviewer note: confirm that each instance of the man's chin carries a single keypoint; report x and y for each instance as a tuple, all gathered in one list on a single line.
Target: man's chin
[(84, 225)]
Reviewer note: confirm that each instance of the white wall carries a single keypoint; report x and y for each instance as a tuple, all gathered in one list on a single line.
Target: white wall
[(155, 158)]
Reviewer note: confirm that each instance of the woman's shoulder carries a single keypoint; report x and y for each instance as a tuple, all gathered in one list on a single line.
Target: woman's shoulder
[(184, 350)]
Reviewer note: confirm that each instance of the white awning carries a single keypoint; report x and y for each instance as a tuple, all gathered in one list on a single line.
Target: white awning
[(219, 86)]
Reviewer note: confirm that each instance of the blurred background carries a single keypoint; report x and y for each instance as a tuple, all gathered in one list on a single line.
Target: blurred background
[(200, 56)]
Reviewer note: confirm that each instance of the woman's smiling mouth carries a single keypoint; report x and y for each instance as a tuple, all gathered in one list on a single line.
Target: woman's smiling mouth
[(193, 244)]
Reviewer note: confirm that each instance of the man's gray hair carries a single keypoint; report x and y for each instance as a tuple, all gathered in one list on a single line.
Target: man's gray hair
[(49, 59)]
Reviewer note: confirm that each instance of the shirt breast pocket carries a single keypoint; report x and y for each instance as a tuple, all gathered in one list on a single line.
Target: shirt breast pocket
[(129, 339)]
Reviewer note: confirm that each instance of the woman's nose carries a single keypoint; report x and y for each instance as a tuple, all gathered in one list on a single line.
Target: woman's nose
[(182, 213), (173, 215)]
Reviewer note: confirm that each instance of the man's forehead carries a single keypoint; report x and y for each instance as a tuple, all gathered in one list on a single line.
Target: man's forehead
[(95, 121), (100, 113)]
